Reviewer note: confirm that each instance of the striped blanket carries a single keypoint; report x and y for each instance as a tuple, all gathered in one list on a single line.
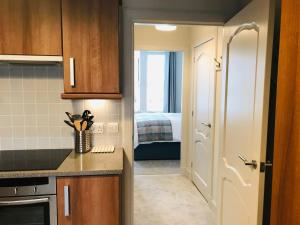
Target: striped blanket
[(153, 127)]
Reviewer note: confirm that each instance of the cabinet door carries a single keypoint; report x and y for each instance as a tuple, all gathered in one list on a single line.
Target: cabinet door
[(30, 27), (91, 200), (90, 37)]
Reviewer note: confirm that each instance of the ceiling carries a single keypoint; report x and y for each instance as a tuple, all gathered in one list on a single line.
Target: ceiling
[(223, 9)]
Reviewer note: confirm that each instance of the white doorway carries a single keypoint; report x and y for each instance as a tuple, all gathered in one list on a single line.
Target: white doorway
[(239, 180), (204, 65), (167, 181)]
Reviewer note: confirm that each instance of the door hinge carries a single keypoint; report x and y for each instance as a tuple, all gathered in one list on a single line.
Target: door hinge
[(192, 112), (191, 164), (218, 64), (265, 165)]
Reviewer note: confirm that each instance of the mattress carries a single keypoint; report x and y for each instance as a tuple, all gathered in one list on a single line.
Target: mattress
[(175, 119)]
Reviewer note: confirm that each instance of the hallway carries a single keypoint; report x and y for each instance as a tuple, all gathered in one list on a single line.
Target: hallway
[(169, 199)]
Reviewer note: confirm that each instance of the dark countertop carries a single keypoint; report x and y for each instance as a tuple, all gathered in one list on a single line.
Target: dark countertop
[(79, 165)]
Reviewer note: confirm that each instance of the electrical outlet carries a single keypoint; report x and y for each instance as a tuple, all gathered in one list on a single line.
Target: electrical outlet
[(97, 128), (113, 128)]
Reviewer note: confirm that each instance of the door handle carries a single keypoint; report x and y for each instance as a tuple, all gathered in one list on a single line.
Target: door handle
[(66, 201), (24, 202), (72, 72), (206, 124), (252, 164), (265, 165)]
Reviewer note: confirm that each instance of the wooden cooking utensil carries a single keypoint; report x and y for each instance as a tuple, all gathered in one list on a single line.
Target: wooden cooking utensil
[(77, 124), (83, 125)]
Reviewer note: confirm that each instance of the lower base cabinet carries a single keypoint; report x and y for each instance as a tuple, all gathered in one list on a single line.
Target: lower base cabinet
[(88, 200)]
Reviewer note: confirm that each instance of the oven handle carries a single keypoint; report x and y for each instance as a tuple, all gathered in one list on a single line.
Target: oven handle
[(24, 202)]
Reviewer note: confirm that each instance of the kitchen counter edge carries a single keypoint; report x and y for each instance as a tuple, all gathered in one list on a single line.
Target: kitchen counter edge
[(88, 164)]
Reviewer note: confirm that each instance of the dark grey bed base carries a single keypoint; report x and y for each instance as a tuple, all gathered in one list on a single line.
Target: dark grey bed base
[(158, 151)]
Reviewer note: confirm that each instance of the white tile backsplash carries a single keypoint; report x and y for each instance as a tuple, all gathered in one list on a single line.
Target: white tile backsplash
[(32, 112)]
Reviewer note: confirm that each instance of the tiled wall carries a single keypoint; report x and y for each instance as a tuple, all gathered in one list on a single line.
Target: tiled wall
[(32, 113), (105, 111)]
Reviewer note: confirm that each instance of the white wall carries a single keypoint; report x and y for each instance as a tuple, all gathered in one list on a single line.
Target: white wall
[(148, 38)]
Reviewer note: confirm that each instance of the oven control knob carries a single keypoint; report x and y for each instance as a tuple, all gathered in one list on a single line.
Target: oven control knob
[(15, 190), (35, 190)]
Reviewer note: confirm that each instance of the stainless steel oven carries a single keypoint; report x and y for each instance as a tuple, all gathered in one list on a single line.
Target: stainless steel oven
[(28, 201)]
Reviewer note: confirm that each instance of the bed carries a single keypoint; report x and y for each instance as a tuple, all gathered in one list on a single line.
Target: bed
[(157, 136)]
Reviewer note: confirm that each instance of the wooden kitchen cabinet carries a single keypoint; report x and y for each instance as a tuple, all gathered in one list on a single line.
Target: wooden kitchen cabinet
[(90, 48), (30, 27), (92, 200)]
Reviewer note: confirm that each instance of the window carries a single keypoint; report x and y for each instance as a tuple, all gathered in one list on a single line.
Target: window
[(157, 84), (137, 102), (150, 70), (156, 66)]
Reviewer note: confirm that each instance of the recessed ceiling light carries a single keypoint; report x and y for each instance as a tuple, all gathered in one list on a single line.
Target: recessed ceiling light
[(165, 27)]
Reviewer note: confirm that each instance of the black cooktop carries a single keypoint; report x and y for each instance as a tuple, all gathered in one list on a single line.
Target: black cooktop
[(39, 159)]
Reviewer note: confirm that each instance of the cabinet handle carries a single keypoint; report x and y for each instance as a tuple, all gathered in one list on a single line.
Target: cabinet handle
[(66, 201), (24, 202), (72, 72)]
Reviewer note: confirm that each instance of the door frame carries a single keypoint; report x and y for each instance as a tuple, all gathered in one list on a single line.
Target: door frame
[(127, 105), (285, 196)]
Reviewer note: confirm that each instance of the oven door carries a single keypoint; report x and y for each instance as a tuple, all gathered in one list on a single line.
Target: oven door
[(32, 210)]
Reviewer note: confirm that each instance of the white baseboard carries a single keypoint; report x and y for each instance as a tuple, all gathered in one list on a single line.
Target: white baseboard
[(186, 172), (211, 202), (213, 206)]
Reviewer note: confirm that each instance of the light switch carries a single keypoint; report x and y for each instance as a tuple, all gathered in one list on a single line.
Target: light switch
[(113, 127), (97, 128)]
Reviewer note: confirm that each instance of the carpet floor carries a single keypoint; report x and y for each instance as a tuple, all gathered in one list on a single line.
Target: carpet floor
[(169, 199), (156, 167)]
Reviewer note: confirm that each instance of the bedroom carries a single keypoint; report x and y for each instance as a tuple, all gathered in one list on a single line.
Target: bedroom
[(166, 83), (158, 102), (159, 71)]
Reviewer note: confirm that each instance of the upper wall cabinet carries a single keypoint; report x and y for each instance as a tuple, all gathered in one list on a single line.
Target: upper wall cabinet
[(90, 47), (30, 27)]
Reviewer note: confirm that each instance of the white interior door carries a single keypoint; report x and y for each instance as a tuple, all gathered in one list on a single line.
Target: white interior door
[(204, 101), (245, 94)]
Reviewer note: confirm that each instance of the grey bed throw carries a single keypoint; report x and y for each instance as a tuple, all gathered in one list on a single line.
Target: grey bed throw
[(153, 127)]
